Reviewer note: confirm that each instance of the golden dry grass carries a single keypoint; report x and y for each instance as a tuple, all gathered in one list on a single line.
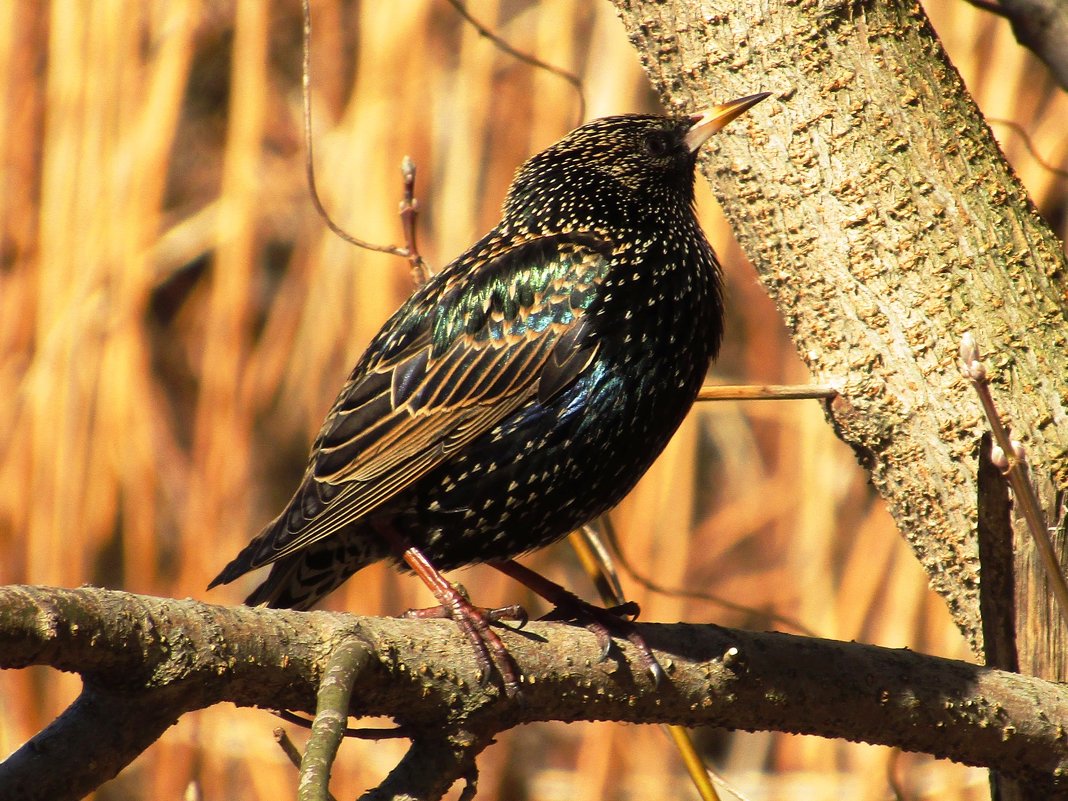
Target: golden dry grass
[(174, 321)]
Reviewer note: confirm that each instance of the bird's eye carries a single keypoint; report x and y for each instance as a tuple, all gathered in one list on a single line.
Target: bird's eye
[(657, 144)]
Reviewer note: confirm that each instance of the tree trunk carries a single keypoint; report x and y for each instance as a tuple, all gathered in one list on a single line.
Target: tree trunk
[(885, 223)]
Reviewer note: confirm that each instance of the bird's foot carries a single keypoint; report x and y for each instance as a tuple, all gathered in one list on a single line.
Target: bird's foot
[(615, 621), (603, 623), (501, 614), (474, 621)]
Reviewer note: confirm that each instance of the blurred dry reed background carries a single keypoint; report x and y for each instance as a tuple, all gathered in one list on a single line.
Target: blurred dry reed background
[(175, 320)]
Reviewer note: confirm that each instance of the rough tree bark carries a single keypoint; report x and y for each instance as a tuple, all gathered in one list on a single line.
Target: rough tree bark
[(885, 223)]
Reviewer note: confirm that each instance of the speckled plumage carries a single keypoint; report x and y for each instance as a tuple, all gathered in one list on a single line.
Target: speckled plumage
[(525, 388)]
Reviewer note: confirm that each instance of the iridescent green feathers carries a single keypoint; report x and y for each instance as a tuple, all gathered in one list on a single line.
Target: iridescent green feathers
[(487, 337)]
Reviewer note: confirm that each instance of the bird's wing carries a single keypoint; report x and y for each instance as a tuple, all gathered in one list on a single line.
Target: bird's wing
[(493, 335)]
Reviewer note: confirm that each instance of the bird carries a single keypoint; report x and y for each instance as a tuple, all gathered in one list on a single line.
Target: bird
[(524, 389)]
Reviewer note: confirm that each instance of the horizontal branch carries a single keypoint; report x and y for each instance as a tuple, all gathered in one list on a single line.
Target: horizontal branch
[(177, 656)]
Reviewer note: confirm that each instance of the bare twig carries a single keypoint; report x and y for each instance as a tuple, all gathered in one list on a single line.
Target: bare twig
[(282, 738), (310, 150), (678, 592), (502, 44), (332, 710), (408, 169), (695, 766), (1028, 144), (1012, 460), (409, 209), (712, 392), (597, 563), (363, 733)]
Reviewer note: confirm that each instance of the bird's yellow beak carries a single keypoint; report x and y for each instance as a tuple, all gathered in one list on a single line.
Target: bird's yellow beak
[(714, 119)]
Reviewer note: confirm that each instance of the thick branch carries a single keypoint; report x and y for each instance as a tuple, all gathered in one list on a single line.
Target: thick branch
[(94, 738), (174, 656), (1041, 26)]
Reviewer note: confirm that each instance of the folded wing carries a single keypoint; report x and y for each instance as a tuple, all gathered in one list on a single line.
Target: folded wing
[(490, 334)]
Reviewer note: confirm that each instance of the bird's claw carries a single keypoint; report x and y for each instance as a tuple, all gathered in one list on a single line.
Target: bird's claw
[(604, 623), (514, 614), (474, 622)]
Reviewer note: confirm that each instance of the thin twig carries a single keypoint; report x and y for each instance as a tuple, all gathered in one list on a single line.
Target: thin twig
[(502, 44), (695, 767), (409, 209), (723, 784), (395, 733), (309, 150), (676, 592), (281, 736), (597, 563), (711, 392), (1013, 463), (1028, 144)]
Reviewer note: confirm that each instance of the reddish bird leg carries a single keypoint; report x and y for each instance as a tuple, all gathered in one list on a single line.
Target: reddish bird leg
[(602, 622), (473, 621)]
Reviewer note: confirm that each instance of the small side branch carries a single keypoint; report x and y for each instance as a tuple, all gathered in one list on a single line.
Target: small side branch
[(408, 207), (505, 47), (713, 392), (409, 210), (332, 712), (1011, 457), (432, 765)]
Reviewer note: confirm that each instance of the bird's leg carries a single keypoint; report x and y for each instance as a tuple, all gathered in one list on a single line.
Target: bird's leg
[(473, 621), (602, 622)]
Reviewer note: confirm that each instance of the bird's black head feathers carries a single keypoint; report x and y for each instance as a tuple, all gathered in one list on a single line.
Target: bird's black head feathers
[(625, 170)]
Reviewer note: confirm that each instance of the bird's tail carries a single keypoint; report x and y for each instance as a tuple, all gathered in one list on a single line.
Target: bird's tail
[(300, 579)]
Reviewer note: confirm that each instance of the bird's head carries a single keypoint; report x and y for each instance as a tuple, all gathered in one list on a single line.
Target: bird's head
[(615, 167)]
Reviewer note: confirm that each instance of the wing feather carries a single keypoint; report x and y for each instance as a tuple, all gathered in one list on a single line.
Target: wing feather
[(448, 380)]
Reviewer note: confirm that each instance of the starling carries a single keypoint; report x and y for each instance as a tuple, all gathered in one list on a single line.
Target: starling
[(524, 389)]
